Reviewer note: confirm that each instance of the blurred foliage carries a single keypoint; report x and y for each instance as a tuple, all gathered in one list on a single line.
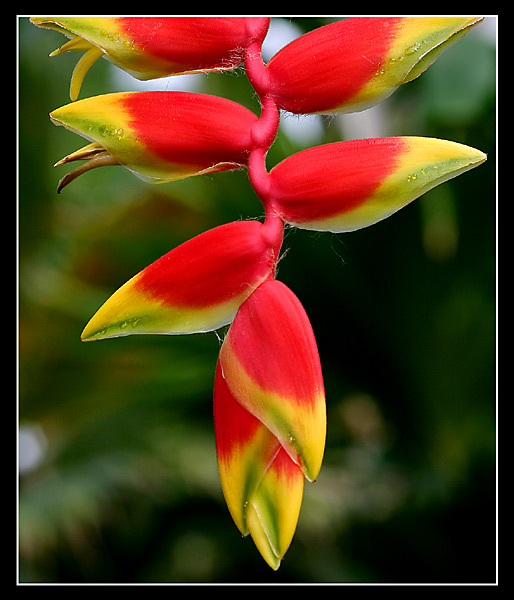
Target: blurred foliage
[(118, 476)]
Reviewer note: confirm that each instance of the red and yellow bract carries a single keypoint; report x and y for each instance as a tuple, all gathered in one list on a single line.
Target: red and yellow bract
[(196, 287), (161, 136), (270, 361), (152, 47), (262, 486), (355, 63), (270, 418), (345, 186)]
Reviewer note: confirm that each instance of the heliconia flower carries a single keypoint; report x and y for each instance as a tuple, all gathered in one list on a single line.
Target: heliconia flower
[(152, 47), (269, 416), (345, 186), (196, 287), (159, 136), (355, 63)]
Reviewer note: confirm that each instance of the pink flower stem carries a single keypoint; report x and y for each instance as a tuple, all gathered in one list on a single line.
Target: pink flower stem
[(264, 132)]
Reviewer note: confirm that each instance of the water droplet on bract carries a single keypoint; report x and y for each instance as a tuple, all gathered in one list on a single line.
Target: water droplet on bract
[(414, 48)]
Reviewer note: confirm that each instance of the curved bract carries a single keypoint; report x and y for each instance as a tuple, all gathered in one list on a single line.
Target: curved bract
[(161, 136), (355, 63), (196, 287), (270, 361), (153, 47), (345, 186)]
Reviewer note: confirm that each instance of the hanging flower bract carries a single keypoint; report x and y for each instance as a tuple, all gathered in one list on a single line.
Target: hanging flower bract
[(269, 397)]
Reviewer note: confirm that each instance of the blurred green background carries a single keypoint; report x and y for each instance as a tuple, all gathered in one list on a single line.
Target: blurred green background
[(118, 477)]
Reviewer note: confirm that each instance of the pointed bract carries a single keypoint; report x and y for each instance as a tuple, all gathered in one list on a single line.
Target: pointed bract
[(355, 63), (245, 448), (196, 287), (345, 186), (271, 363), (153, 47), (163, 136), (275, 507), (262, 486)]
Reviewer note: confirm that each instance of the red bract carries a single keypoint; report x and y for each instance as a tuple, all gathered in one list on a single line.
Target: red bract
[(194, 43), (160, 136), (355, 63), (325, 68), (196, 287), (262, 486), (197, 129), (271, 364), (345, 186), (151, 47), (214, 267)]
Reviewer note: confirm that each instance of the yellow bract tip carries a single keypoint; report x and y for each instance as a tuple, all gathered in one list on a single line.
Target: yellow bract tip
[(81, 68)]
